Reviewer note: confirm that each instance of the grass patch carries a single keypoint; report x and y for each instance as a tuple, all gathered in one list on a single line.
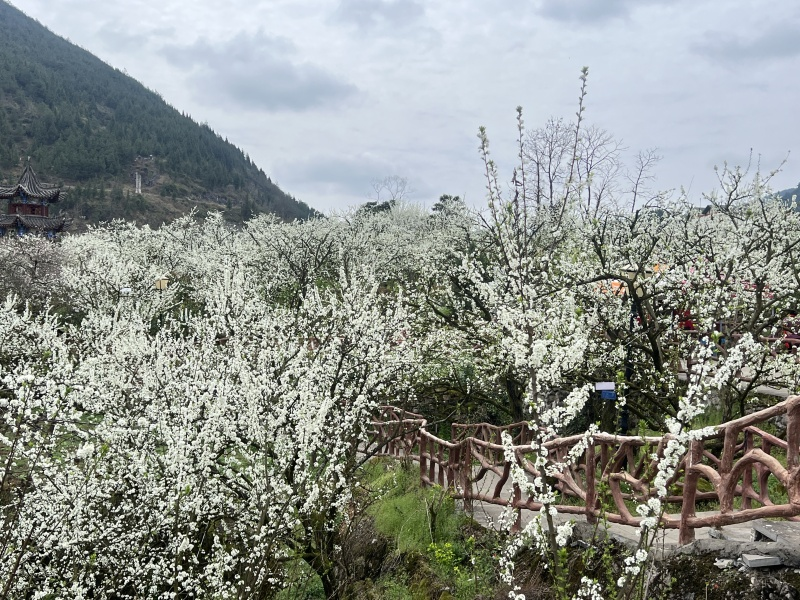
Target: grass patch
[(438, 550), (303, 583), (414, 517)]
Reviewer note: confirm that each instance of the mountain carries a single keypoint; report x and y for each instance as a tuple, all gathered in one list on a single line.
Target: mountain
[(89, 127), (787, 195)]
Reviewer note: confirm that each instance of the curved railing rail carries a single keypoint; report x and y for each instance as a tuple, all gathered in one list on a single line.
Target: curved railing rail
[(736, 474)]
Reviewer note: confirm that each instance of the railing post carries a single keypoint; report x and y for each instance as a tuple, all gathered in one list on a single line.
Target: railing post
[(440, 456), (793, 441), (517, 498), (762, 473), (423, 444), (793, 432), (432, 444), (694, 456), (604, 456), (747, 476), (380, 438), (466, 473), (452, 458), (591, 486)]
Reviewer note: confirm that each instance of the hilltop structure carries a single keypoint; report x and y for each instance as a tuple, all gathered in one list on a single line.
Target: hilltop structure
[(29, 207)]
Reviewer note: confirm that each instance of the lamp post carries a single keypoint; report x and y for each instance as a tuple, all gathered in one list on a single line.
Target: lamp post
[(161, 283)]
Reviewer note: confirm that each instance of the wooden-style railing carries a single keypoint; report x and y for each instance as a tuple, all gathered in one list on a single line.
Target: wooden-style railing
[(614, 473)]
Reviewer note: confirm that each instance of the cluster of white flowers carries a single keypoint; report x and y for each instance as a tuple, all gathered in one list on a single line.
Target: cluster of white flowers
[(190, 439), (589, 590), (563, 533), (650, 512), (632, 566), (185, 440), (670, 303)]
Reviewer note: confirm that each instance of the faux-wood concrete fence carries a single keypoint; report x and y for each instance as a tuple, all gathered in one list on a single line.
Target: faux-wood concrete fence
[(739, 460)]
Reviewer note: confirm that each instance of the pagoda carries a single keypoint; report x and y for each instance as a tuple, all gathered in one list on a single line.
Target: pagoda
[(29, 207)]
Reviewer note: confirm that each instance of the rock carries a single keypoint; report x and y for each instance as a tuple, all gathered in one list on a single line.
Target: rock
[(757, 561), (789, 554), (723, 563), (716, 533), (777, 531)]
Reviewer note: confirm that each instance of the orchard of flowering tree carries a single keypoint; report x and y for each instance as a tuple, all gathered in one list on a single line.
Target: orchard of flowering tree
[(192, 441)]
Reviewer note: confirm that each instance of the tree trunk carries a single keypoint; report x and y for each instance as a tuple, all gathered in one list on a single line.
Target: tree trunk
[(515, 404), (319, 554)]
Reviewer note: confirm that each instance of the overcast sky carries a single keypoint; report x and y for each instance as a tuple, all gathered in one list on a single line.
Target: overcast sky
[(328, 95)]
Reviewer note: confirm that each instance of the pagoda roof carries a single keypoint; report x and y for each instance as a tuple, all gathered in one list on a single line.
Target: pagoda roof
[(29, 185), (34, 222)]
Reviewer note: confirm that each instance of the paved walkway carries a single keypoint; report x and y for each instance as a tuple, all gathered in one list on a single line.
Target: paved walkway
[(490, 515), (733, 542)]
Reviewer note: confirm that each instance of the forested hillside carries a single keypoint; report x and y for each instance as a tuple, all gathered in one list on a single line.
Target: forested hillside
[(790, 193), (87, 125)]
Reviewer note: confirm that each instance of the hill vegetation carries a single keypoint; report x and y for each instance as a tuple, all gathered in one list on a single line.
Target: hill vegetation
[(787, 195), (87, 125)]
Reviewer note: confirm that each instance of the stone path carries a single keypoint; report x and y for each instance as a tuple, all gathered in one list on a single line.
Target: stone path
[(761, 538), (490, 515)]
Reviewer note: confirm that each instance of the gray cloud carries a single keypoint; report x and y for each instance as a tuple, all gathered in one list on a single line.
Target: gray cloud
[(121, 40), (374, 14), (346, 175), (589, 11), (777, 42), (257, 72), (421, 101)]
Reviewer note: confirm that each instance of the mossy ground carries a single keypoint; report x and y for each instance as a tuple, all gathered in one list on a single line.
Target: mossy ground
[(696, 576)]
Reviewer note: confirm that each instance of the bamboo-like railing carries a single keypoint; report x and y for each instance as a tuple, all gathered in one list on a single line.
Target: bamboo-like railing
[(614, 472)]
